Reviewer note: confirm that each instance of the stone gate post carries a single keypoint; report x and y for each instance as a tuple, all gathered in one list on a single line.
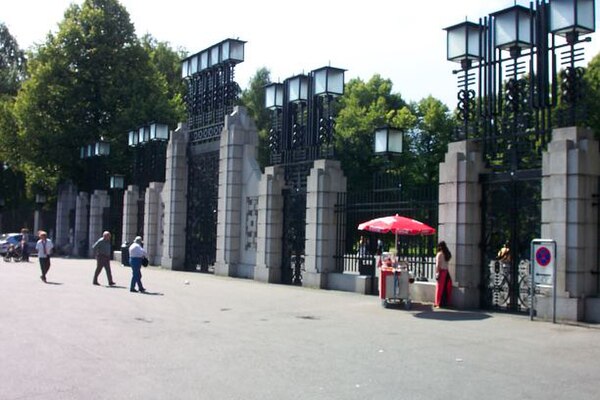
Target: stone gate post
[(460, 219)]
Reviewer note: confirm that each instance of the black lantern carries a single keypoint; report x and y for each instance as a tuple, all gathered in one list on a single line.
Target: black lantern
[(513, 29), (463, 43), (132, 138), (159, 132), (297, 89), (117, 181), (274, 96), (571, 18), (328, 81), (388, 141), (101, 148)]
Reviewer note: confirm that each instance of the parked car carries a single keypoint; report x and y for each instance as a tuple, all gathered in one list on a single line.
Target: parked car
[(6, 239)]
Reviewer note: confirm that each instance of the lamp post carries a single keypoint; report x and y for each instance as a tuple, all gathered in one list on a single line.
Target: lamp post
[(302, 131), (148, 144), (117, 185), (510, 58), (40, 200), (94, 156), (302, 115)]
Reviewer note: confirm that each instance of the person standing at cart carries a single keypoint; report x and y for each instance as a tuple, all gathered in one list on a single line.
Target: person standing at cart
[(443, 288)]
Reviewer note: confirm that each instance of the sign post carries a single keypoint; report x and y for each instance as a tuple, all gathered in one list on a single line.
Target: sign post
[(543, 271)]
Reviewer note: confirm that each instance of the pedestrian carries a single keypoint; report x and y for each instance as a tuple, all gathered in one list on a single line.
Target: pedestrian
[(44, 248), (103, 251), (25, 244), (443, 288), (136, 254)]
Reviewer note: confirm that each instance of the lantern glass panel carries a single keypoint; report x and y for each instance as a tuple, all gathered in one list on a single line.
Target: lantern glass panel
[(194, 65), (298, 88), (214, 56), (82, 152), (203, 60), (102, 148), (184, 69), (394, 141), (512, 27), (117, 182), (381, 138)]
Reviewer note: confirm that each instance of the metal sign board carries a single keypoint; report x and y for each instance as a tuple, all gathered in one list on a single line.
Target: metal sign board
[(544, 255), (543, 270)]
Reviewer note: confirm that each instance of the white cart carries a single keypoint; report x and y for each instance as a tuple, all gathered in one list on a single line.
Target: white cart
[(394, 285)]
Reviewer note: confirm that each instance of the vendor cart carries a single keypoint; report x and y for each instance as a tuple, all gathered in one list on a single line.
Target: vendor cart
[(394, 288)]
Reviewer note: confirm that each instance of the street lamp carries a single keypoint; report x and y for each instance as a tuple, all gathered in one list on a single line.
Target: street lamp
[(572, 18), (388, 141), (513, 29)]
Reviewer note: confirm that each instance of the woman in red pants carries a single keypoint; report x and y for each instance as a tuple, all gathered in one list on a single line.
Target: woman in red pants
[(443, 288)]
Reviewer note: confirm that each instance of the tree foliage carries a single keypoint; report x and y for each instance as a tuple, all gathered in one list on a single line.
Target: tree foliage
[(592, 98), (364, 107), (90, 80), (253, 98), (12, 63)]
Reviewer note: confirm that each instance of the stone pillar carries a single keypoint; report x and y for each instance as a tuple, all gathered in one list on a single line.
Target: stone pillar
[(99, 204), (239, 175), (175, 200), (130, 213), (460, 219), (570, 172), (270, 226), (153, 222), (325, 181), (66, 203), (82, 212)]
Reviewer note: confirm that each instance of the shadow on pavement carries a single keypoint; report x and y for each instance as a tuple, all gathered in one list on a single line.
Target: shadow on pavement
[(147, 293), (449, 315), (53, 283)]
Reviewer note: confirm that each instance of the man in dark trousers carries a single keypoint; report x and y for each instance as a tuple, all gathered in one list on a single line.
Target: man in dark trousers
[(44, 248), (103, 250)]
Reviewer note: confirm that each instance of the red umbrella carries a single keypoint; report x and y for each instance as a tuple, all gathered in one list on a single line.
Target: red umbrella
[(397, 225)]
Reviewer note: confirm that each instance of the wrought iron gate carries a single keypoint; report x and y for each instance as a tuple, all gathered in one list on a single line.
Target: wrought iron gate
[(211, 95), (203, 185), (511, 215)]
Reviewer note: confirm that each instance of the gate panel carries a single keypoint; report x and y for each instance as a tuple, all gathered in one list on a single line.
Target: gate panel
[(203, 193), (512, 216)]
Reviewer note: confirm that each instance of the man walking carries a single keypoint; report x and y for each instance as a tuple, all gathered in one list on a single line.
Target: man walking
[(103, 250), (44, 248)]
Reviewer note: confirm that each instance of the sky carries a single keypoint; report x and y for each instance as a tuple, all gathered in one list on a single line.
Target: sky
[(402, 40)]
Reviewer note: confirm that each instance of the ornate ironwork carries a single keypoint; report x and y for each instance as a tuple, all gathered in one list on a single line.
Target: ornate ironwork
[(201, 237), (301, 132), (352, 209), (511, 214), (211, 95)]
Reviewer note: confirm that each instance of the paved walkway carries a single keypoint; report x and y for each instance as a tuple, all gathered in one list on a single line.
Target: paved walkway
[(199, 336)]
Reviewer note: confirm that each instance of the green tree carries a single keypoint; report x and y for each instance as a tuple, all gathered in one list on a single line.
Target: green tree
[(91, 79), (253, 98), (592, 98), (364, 107), (168, 63), (429, 139), (12, 63)]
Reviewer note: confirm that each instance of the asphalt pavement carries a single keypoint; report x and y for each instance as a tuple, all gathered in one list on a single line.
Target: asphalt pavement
[(199, 336)]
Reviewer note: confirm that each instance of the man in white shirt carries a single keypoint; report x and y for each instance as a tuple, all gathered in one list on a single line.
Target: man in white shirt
[(136, 254), (44, 248)]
